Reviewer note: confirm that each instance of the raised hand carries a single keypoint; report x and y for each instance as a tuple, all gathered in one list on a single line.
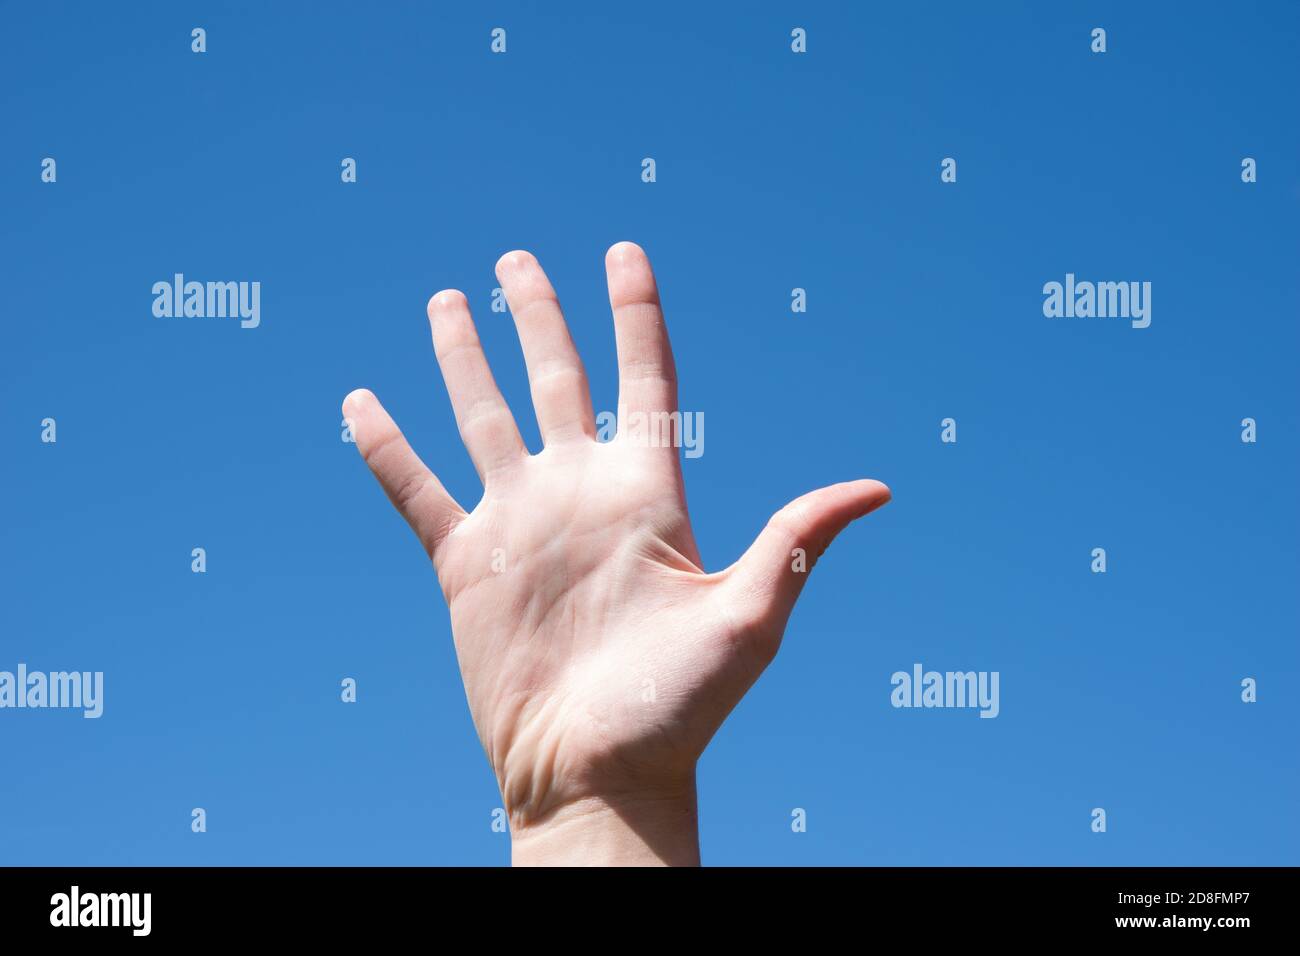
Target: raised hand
[(598, 656)]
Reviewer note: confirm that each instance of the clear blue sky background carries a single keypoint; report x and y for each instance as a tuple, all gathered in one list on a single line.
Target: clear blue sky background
[(775, 170)]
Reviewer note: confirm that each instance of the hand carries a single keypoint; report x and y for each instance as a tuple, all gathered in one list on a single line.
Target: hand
[(598, 656)]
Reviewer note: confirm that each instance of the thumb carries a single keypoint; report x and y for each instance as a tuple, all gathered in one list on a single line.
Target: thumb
[(770, 575)]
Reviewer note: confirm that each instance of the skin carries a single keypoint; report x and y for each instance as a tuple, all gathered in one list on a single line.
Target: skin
[(599, 658)]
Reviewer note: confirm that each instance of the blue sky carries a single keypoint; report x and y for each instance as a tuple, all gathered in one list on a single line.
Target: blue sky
[(774, 171)]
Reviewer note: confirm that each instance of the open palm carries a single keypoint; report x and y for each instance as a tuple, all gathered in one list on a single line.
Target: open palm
[(598, 656)]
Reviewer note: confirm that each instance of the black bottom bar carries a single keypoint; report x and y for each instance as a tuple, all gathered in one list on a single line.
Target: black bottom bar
[(376, 904)]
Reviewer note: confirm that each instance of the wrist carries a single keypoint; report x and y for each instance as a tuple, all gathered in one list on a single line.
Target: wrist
[(652, 828)]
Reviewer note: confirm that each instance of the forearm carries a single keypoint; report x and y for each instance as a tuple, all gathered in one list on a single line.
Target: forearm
[(640, 830)]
